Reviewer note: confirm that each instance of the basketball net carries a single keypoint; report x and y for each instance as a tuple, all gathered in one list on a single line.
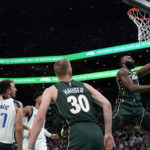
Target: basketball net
[(142, 21)]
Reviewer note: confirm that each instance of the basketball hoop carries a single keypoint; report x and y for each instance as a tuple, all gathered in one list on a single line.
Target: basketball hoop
[(142, 20)]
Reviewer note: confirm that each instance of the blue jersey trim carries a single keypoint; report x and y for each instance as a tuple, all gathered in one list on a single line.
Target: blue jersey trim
[(15, 101), (6, 98), (29, 117)]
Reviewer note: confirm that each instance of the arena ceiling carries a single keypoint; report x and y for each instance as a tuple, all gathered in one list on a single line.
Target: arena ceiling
[(16, 13), (28, 10)]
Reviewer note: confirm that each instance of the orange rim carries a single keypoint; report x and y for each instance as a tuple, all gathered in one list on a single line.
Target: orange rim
[(136, 10)]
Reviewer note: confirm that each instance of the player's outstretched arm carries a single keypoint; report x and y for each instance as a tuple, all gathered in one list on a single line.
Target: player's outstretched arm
[(40, 117), (19, 128), (107, 110), (127, 82), (144, 70)]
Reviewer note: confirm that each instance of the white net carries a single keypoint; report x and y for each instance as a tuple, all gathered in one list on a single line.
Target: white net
[(142, 21)]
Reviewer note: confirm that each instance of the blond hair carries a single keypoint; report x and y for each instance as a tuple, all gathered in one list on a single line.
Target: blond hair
[(61, 67)]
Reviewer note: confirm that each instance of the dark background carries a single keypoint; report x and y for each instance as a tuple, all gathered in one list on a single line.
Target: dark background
[(56, 27), (41, 28)]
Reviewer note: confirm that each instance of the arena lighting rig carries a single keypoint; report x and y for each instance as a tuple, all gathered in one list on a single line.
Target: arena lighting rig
[(53, 79), (71, 57)]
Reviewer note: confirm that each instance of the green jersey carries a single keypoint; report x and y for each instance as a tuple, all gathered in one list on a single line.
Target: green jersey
[(74, 102), (80, 129), (128, 104), (128, 96)]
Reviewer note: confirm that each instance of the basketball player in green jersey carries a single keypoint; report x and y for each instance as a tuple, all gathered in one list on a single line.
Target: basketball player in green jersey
[(74, 101), (128, 105)]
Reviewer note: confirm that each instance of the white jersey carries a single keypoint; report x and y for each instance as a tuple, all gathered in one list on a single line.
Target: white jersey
[(41, 140), (28, 121), (7, 120)]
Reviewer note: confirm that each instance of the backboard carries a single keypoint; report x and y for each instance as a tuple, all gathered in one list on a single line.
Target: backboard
[(143, 5)]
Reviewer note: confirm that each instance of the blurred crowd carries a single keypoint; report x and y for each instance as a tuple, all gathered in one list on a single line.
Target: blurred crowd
[(132, 138)]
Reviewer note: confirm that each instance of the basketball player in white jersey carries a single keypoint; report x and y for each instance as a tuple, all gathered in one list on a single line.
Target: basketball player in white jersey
[(29, 113), (10, 117)]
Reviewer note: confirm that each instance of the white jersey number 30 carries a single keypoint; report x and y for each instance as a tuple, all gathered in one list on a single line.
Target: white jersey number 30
[(80, 103)]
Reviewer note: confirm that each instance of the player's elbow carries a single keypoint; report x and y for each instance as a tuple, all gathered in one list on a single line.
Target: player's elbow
[(132, 88), (19, 129), (106, 105), (148, 65)]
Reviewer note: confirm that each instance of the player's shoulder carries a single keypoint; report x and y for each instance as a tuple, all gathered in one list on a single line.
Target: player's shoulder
[(122, 71), (27, 110), (50, 89), (18, 103), (88, 86), (27, 107), (85, 84)]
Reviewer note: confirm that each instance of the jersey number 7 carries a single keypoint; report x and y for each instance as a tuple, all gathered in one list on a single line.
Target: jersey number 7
[(4, 120)]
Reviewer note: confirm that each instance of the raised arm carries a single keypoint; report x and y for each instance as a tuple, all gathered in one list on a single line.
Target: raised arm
[(47, 97), (144, 70), (127, 82), (107, 110), (19, 128)]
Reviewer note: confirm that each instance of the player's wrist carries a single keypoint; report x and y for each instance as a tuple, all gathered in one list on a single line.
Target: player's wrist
[(50, 136), (108, 134), (31, 147)]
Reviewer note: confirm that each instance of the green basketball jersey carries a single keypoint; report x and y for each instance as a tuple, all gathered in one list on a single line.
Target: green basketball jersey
[(74, 102), (127, 95)]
